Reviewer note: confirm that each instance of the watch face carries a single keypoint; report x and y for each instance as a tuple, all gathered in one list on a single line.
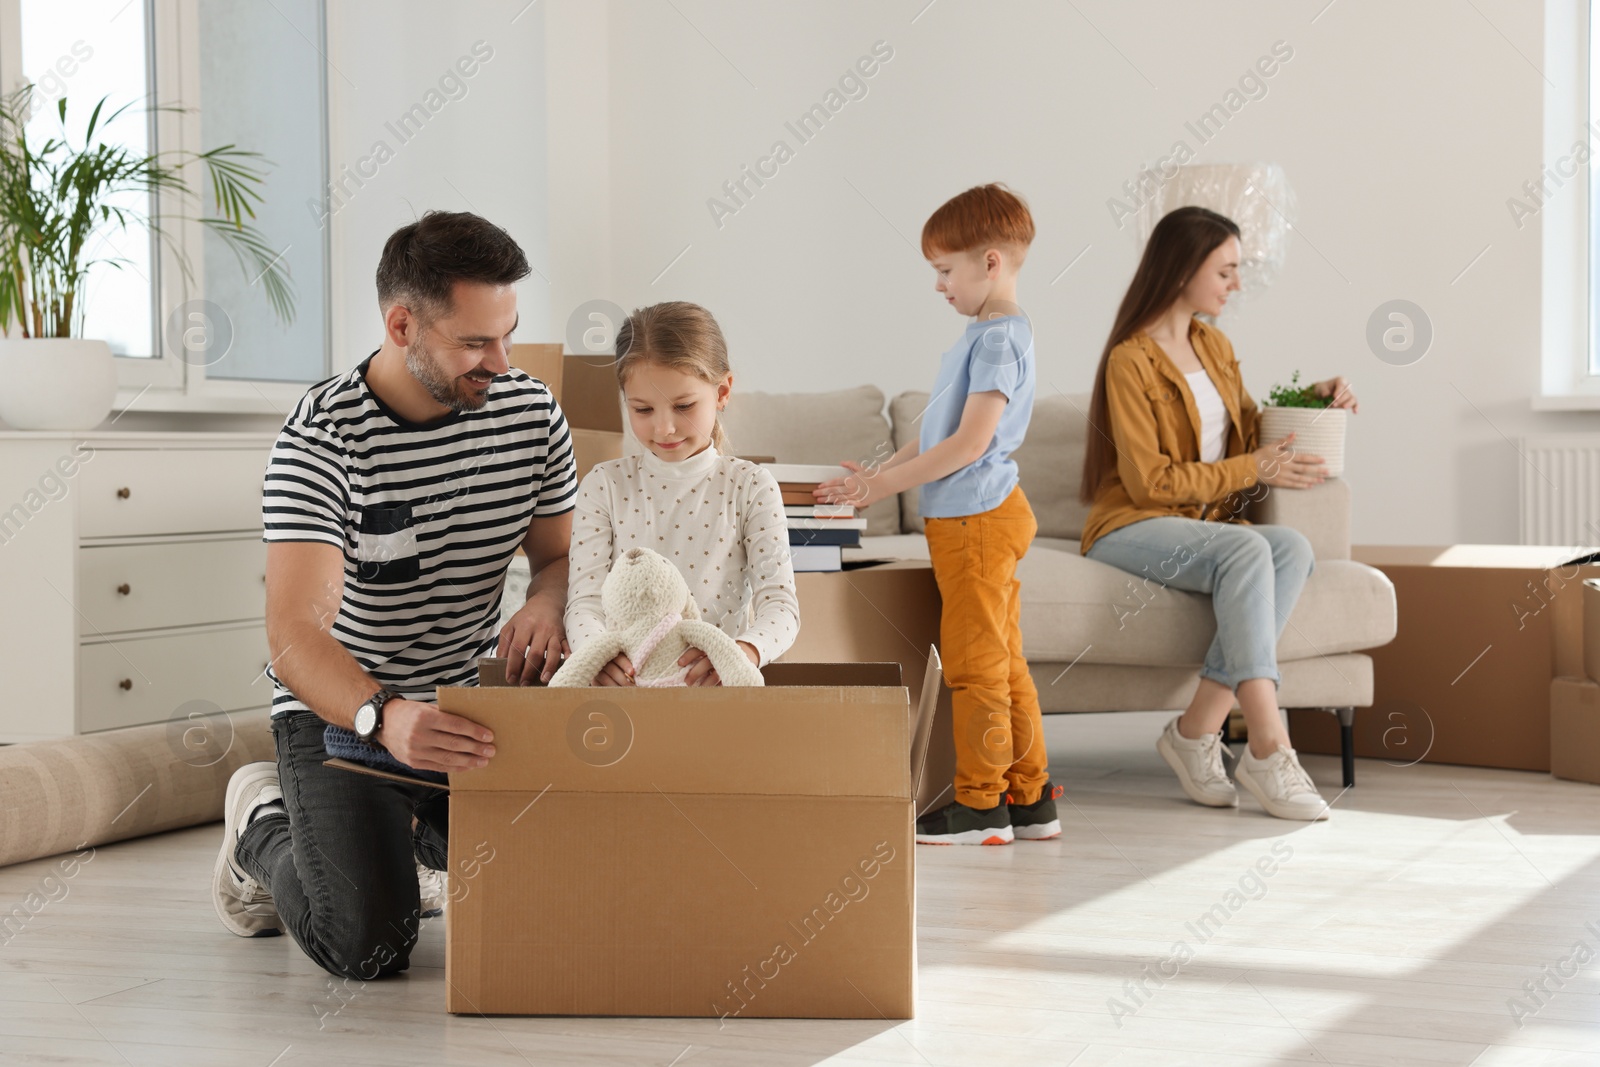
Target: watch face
[(366, 720)]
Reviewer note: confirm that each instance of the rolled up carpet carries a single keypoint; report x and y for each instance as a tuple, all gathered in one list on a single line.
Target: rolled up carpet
[(56, 796)]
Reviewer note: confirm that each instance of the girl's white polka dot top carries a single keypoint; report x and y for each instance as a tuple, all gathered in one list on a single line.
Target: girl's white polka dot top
[(720, 519)]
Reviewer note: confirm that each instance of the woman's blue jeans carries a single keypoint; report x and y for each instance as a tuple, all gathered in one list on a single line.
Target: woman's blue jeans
[(1254, 575)]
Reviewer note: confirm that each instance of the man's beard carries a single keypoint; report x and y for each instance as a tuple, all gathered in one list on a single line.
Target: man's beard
[(451, 392)]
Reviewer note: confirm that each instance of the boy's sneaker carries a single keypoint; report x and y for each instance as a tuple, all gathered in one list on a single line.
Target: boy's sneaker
[(957, 824), (1282, 785), (434, 887), (242, 903), (1198, 764), (1036, 821)]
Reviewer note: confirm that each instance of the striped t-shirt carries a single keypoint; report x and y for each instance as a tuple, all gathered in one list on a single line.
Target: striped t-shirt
[(428, 517)]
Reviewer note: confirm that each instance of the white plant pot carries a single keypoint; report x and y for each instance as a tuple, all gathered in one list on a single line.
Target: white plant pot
[(56, 383), (1318, 432)]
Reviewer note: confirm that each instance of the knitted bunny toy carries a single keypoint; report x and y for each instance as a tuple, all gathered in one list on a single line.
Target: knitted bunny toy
[(651, 617)]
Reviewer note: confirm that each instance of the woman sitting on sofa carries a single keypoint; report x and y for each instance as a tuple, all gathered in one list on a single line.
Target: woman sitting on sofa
[(1172, 460)]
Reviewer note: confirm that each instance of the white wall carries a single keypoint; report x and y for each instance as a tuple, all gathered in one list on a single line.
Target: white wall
[(1403, 127), (483, 151)]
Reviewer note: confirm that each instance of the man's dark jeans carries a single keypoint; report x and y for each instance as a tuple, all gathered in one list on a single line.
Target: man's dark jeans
[(341, 867)]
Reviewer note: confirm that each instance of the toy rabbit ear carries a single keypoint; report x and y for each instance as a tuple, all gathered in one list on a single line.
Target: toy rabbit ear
[(690, 610)]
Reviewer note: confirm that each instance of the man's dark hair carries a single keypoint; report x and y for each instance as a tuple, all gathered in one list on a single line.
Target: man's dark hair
[(422, 260)]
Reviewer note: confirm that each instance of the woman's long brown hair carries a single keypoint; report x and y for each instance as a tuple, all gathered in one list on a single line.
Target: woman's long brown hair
[(1178, 247)]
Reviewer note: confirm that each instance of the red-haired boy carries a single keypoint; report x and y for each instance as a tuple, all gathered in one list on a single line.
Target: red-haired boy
[(978, 522)]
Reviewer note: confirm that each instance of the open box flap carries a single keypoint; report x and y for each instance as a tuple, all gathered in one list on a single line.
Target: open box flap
[(492, 673), (362, 768), (922, 726)]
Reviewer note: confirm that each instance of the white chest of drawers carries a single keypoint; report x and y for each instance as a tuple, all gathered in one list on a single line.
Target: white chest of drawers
[(132, 579)]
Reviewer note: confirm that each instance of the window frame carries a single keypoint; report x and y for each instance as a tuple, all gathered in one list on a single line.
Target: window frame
[(165, 383), (1570, 250)]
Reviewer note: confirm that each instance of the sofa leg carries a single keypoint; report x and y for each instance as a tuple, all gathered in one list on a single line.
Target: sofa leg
[(1347, 743)]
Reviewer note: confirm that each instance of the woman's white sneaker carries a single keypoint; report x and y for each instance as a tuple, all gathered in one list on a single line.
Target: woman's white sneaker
[(1198, 764), (1282, 785)]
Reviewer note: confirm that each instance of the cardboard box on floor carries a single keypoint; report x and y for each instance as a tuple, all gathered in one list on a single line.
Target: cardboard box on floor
[(1575, 729), (1483, 630), (728, 852), (881, 612), (586, 389)]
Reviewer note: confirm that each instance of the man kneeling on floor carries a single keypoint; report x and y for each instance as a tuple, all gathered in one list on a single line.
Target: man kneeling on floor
[(395, 497)]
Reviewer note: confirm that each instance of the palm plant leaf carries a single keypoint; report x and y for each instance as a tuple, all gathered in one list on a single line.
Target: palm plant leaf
[(57, 197)]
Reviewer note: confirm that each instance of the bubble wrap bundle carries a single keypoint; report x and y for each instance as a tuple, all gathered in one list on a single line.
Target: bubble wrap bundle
[(1257, 196)]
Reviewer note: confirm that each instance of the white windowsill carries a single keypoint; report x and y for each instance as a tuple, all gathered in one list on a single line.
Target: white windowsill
[(1567, 402), (219, 398)]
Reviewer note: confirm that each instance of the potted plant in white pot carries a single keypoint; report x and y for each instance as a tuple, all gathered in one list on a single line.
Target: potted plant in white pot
[(1318, 428), (56, 198)]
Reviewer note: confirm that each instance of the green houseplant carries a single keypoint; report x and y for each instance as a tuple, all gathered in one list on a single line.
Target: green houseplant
[(1318, 428), (56, 198)]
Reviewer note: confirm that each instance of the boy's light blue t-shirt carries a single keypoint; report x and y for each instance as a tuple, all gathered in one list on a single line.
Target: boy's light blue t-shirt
[(992, 354)]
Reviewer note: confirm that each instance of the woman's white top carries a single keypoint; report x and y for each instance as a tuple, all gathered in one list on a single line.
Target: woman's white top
[(718, 518), (1214, 421)]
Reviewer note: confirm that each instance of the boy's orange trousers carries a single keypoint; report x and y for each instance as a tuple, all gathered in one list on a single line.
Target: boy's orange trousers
[(998, 730)]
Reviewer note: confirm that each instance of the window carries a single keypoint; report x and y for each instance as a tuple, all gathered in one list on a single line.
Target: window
[(250, 75), (1562, 201), (1592, 257), (79, 53), (261, 80)]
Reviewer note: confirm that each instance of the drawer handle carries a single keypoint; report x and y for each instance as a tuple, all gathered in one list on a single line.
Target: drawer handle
[(124, 493), (124, 589), (125, 684)]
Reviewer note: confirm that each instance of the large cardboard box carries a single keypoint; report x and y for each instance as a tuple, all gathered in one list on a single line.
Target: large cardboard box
[(586, 389), (877, 612), (1483, 630), (1575, 729), (717, 852)]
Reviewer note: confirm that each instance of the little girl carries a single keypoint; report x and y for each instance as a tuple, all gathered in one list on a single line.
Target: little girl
[(719, 519)]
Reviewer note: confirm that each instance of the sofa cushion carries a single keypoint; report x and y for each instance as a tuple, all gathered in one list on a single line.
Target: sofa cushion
[(816, 428), (1049, 462), (1072, 606)]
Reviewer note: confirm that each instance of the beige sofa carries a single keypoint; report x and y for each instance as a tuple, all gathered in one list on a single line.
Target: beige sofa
[(1090, 644)]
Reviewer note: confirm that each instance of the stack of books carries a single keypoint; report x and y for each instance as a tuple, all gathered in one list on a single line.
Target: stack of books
[(818, 533)]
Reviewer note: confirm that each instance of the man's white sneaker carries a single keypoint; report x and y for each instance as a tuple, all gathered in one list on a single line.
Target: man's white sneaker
[(242, 903), (1282, 785), (1198, 764), (435, 888)]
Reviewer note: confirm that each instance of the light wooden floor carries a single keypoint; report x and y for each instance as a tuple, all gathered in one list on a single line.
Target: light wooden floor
[(1397, 933)]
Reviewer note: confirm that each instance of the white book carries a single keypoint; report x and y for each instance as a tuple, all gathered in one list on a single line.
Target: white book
[(816, 557), (819, 511), (806, 472), (826, 524)]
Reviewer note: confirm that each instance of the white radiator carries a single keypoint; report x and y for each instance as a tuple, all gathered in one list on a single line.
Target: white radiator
[(1560, 476)]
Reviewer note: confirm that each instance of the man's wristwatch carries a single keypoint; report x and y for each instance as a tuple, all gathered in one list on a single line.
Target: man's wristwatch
[(369, 716)]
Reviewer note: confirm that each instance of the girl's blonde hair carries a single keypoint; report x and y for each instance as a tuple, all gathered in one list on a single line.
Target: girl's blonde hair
[(679, 335)]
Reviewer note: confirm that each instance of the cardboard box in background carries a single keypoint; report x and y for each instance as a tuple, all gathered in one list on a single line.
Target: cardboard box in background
[(688, 852), (878, 612), (589, 394), (539, 361), (1575, 729), (1483, 630), (586, 389)]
